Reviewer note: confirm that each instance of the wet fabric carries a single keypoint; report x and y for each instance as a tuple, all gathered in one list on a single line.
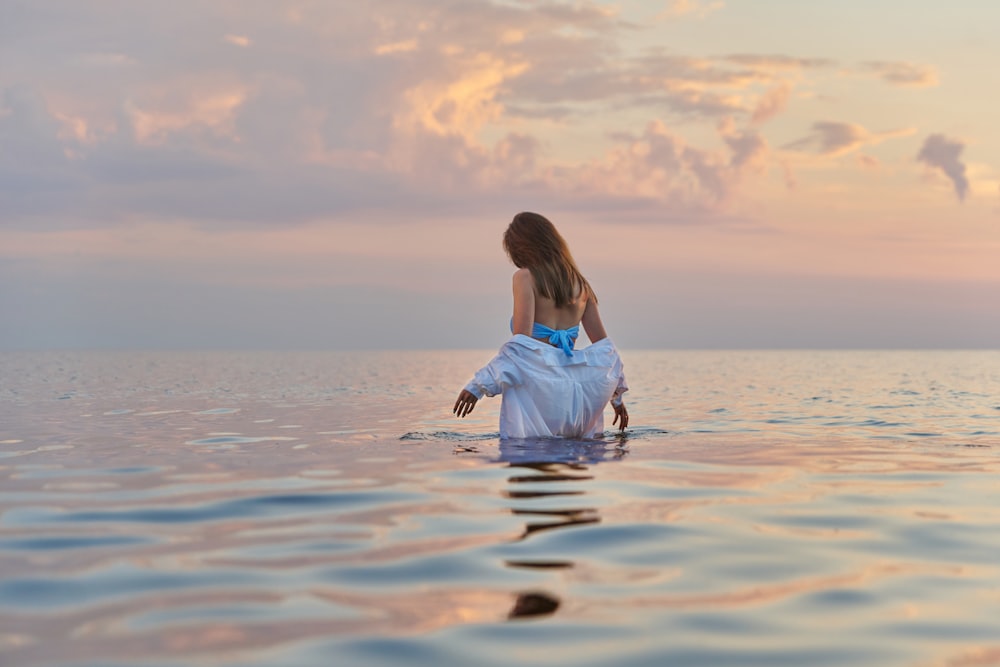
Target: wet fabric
[(546, 392)]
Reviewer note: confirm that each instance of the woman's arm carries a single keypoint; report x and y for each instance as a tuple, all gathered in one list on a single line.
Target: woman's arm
[(592, 322), (489, 380), (521, 323), (524, 302), (594, 327)]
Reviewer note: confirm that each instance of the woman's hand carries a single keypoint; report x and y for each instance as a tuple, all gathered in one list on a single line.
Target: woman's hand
[(621, 415), (465, 402)]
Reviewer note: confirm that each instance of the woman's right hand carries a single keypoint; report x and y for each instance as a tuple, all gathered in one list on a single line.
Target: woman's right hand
[(464, 404)]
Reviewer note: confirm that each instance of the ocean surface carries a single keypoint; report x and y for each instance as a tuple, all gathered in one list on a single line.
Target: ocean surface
[(777, 508)]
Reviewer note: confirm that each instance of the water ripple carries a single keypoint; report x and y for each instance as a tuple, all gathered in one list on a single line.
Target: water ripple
[(232, 509)]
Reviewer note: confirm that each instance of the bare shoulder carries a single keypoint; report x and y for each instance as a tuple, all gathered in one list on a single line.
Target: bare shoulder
[(587, 296), (523, 278)]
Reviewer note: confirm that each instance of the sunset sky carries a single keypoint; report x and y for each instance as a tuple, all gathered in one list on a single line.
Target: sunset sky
[(306, 174)]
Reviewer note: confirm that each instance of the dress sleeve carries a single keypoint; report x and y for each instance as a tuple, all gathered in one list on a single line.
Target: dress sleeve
[(491, 379), (616, 398)]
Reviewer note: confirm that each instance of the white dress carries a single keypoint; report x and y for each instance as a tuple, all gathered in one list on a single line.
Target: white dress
[(547, 393)]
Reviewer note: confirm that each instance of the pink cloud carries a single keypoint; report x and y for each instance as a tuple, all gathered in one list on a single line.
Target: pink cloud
[(944, 154), (327, 108), (869, 161), (695, 8), (836, 138), (778, 61), (683, 181), (771, 103), (902, 73)]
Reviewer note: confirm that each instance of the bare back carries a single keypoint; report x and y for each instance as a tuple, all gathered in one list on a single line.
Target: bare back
[(531, 307), (547, 313)]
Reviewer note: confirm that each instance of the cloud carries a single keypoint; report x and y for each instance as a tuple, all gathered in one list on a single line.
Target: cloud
[(902, 73), (690, 87), (28, 131), (238, 40), (749, 149), (270, 115), (658, 171), (869, 161), (696, 8), (791, 183), (701, 88), (37, 169), (771, 104), (328, 108), (192, 173), (940, 152), (103, 59), (835, 138), (778, 61), (215, 111), (696, 71), (404, 46)]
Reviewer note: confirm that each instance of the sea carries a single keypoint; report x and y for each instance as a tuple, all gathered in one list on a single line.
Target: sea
[(223, 509)]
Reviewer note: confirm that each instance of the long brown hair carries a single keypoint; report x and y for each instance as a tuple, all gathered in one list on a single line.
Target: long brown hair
[(533, 243)]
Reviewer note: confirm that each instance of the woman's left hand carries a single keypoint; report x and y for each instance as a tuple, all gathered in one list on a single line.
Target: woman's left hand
[(466, 401), (621, 416)]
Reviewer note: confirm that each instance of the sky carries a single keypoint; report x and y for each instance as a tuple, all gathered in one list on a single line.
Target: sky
[(338, 175)]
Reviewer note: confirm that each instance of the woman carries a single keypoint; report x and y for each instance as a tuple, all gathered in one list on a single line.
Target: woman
[(548, 388)]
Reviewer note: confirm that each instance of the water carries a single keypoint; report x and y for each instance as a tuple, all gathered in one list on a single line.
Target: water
[(767, 508)]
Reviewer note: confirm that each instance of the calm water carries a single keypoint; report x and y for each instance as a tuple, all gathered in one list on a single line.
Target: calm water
[(767, 508)]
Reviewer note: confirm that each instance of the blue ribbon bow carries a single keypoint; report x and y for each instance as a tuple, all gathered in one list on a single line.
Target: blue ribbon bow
[(561, 338)]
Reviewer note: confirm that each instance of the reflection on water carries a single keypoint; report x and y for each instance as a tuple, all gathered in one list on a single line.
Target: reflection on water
[(533, 605), (558, 461), (558, 450), (300, 510)]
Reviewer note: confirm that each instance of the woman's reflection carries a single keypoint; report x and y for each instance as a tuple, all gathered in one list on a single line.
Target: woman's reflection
[(547, 461)]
